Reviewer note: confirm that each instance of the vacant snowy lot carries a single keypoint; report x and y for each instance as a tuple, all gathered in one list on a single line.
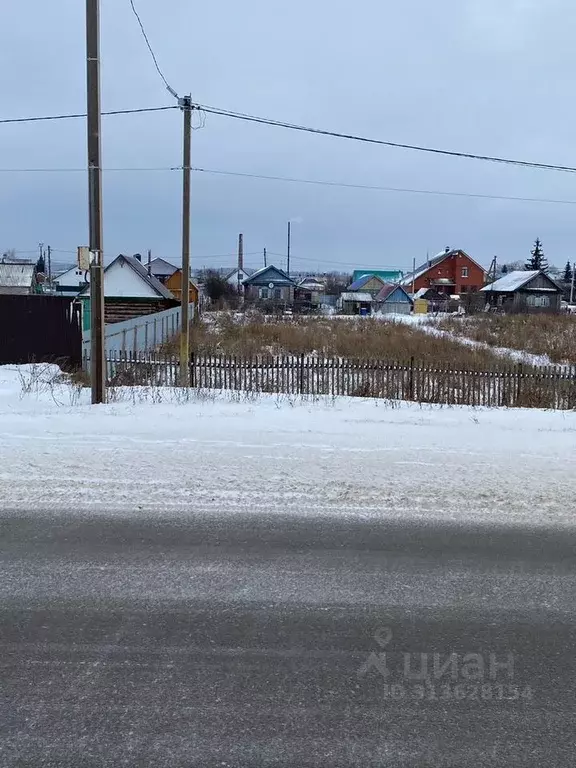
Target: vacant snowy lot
[(151, 454)]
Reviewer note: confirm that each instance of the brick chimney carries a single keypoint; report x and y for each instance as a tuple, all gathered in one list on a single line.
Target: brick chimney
[(240, 252)]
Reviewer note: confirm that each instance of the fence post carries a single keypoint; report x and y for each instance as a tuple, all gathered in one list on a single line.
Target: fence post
[(411, 380), (301, 374), (519, 371), (192, 369)]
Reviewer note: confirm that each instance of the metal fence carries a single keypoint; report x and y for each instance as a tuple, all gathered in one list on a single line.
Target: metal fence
[(516, 386), (40, 329), (140, 334)]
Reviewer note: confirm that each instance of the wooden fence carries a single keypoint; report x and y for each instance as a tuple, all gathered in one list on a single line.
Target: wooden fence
[(513, 386)]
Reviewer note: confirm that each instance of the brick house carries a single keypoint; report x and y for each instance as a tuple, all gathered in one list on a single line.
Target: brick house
[(451, 272)]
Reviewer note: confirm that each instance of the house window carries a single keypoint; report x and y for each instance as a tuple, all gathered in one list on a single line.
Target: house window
[(538, 301), (277, 293), (263, 293), (464, 271)]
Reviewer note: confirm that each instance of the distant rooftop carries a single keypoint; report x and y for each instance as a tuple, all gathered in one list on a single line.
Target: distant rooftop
[(513, 280)]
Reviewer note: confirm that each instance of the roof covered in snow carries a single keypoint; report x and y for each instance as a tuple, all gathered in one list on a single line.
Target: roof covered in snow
[(149, 280), (269, 274), (513, 280), (162, 267), (16, 275), (356, 296)]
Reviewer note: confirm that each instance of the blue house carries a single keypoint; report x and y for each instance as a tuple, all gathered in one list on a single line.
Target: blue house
[(269, 285), (389, 299), (393, 299)]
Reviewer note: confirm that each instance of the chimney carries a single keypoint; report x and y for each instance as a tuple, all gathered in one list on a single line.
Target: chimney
[(240, 252), (149, 262), (138, 256)]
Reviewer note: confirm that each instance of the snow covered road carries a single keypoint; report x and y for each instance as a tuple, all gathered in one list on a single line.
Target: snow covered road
[(229, 455)]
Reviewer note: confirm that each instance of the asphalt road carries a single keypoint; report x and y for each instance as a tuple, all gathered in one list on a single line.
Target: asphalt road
[(250, 641)]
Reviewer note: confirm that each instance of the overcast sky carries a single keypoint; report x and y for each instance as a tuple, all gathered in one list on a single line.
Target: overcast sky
[(490, 77)]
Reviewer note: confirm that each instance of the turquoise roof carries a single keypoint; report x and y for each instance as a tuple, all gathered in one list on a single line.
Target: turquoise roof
[(389, 275)]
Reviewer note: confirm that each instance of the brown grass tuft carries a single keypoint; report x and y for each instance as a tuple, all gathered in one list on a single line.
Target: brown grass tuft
[(355, 338)]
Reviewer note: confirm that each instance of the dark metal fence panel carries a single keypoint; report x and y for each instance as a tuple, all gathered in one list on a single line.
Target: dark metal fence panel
[(40, 329)]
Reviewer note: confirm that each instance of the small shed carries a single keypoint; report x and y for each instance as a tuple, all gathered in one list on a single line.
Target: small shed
[(524, 291), (356, 303), (393, 299)]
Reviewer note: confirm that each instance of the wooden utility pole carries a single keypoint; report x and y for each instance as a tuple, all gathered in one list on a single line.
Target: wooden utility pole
[(186, 106), (572, 283), (288, 253), (97, 363), (413, 277), (265, 264), (49, 252)]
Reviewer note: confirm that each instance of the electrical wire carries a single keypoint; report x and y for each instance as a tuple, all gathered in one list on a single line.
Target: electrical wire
[(83, 114), (385, 189), (381, 142), (152, 54), (318, 131), (318, 182)]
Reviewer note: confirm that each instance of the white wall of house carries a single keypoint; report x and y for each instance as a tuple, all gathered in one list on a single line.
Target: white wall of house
[(121, 281), (73, 276), (233, 279)]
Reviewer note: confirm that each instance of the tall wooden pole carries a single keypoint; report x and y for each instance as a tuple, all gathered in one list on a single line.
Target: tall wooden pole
[(97, 361), (186, 106)]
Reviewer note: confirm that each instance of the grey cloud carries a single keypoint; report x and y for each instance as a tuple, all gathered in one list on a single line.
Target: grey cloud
[(483, 76)]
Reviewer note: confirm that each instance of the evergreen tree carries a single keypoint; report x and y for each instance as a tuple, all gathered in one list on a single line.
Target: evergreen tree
[(567, 273), (41, 265), (537, 259), (504, 269)]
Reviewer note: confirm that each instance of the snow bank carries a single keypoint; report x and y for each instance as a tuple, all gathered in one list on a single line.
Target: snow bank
[(279, 455)]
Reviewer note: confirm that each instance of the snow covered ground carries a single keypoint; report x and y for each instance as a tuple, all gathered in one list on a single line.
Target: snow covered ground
[(151, 453), (426, 324)]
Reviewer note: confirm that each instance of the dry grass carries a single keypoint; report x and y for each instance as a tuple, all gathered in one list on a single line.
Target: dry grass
[(366, 338), (552, 335)]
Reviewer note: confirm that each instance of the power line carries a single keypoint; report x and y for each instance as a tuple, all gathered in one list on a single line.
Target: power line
[(83, 114), (385, 189), (318, 182), (314, 260), (381, 142), (307, 129), (154, 59)]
